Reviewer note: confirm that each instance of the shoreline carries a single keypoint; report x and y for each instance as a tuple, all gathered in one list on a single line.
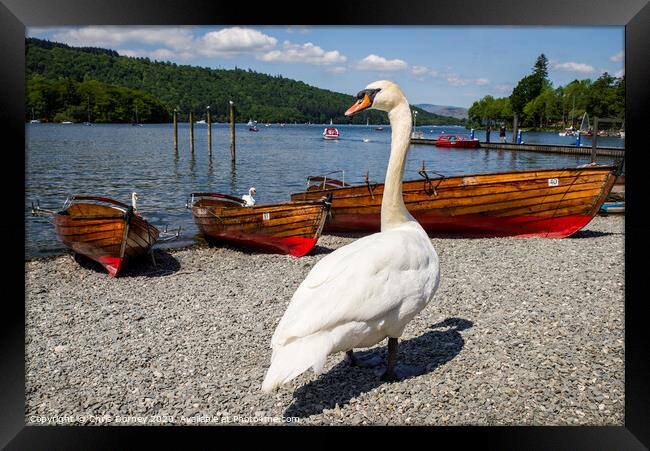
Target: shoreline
[(522, 331)]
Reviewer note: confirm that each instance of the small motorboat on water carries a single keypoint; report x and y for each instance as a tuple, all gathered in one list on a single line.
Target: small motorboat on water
[(331, 133), (202, 122), (379, 129), (252, 126), (456, 141), (568, 132)]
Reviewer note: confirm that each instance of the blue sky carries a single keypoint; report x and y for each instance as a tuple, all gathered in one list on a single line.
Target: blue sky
[(433, 64)]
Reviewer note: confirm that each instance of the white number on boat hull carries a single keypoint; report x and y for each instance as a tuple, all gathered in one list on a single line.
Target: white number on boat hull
[(266, 216), (553, 182)]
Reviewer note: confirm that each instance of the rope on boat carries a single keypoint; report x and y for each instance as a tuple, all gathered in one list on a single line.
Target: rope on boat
[(428, 182)]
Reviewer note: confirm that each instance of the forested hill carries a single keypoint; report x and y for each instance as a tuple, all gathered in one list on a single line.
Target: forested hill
[(58, 78)]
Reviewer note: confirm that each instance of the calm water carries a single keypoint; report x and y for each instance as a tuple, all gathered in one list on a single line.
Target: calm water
[(114, 160)]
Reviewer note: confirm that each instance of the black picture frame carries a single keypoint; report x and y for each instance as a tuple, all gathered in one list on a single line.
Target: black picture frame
[(15, 15)]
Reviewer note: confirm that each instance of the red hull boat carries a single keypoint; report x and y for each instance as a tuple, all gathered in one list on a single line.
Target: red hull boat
[(331, 133), (552, 203), (104, 230), (288, 228), (456, 141)]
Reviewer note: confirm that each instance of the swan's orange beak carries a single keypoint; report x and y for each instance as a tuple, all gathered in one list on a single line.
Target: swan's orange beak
[(359, 105)]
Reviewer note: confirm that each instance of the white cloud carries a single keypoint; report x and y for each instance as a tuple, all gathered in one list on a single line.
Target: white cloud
[(158, 54), (92, 36), (422, 73), (455, 80), (504, 87), (305, 53), (302, 29), (619, 73), (481, 81), (229, 41), (575, 67), (419, 70), (379, 63), (337, 69), (618, 57)]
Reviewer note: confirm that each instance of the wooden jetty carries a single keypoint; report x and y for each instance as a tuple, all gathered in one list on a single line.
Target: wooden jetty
[(615, 152)]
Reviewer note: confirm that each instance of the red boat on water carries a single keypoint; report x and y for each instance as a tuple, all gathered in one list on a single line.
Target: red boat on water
[(456, 141), (331, 133)]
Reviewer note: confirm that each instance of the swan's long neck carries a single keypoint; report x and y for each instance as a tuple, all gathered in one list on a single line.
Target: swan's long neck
[(393, 210)]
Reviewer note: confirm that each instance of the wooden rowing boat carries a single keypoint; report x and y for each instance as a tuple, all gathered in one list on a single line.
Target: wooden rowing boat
[(550, 203), (104, 230), (288, 228)]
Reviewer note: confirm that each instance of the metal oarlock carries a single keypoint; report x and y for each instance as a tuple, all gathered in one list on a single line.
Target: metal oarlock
[(190, 201), (37, 210), (324, 177), (166, 235)]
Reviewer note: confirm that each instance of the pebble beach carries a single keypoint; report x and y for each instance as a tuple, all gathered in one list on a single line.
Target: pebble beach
[(520, 332)]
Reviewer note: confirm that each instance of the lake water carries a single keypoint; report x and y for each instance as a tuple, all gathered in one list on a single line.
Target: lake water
[(114, 159)]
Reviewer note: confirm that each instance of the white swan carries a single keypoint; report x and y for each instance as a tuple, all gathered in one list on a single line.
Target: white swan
[(248, 198), (370, 289)]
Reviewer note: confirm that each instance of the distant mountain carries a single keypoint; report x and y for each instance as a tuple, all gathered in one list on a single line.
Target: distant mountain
[(71, 83), (443, 110)]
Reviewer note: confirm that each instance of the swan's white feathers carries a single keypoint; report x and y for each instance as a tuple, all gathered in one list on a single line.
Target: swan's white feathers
[(394, 267), (365, 291)]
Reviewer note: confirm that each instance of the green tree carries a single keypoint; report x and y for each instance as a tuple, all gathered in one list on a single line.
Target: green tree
[(526, 90), (540, 69), (258, 96)]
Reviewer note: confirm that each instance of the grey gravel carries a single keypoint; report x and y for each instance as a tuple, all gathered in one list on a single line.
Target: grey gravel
[(521, 332)]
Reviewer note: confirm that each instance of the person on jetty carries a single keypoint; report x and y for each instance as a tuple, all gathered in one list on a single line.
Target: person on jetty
[(502, 133), (487, 133)]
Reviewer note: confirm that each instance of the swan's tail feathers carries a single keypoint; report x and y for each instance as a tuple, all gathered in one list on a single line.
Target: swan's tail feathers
[(292, 359)]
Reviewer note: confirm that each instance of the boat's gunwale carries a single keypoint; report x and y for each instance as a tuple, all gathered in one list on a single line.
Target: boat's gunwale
[(610, 168), (252, 208)]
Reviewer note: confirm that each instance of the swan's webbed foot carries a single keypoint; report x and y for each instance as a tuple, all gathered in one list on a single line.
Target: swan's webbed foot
[(364, 359), (389, 376), (401, 372)]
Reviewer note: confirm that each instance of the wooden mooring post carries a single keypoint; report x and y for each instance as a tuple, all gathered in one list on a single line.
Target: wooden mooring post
[(232, 131), (191, 133), (209, 119), (594, 140), (514, 129), (175, 132)]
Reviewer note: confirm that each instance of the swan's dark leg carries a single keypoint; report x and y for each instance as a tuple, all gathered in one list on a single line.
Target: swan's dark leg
[(352, 358), (364, 359), (389, 374)]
